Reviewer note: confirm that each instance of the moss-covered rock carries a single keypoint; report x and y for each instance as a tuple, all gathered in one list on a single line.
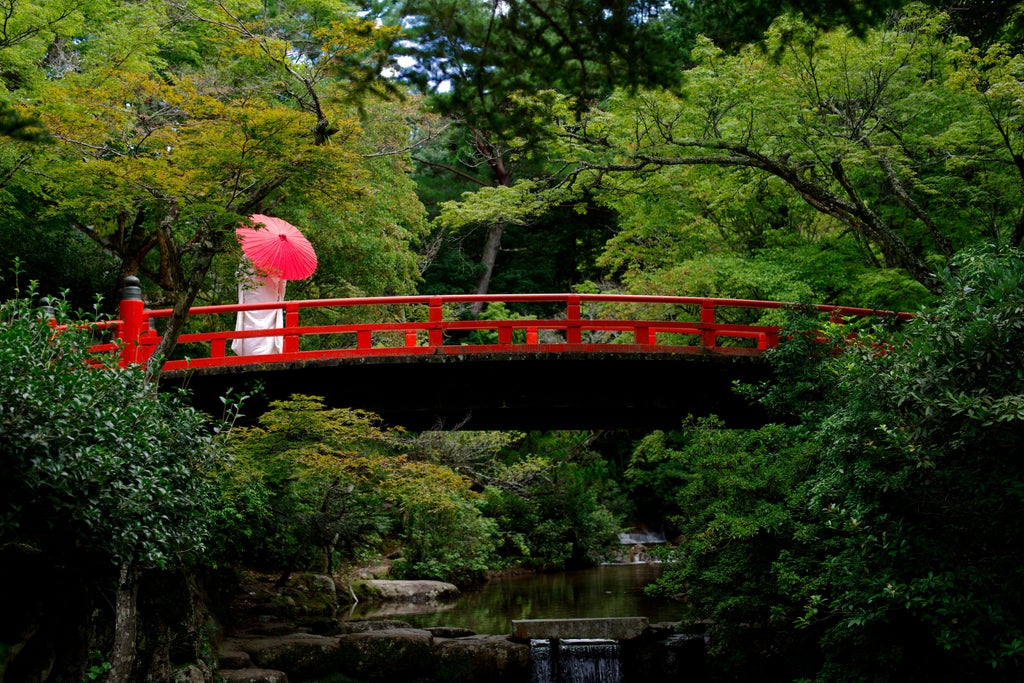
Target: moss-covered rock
[(389, 656)]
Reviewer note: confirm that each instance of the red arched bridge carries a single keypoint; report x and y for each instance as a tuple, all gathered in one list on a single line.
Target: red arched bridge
[(592, 361)]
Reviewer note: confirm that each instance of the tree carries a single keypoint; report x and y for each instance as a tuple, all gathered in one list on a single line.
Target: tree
[(304, 484), (878, 136), (729, 494), (737, 24), (878, 538), (475, 59), (162, 153), (311, 482), (102, 479), (918, 489), (481, 61)]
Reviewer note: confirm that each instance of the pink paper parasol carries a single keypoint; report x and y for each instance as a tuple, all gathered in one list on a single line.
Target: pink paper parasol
[(277, 247)]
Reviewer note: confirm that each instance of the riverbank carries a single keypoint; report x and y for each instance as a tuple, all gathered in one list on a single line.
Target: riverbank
[(417, 631), (301, 633)]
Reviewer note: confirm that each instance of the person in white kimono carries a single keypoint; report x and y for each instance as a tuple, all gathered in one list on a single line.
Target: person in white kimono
[(255, 287)]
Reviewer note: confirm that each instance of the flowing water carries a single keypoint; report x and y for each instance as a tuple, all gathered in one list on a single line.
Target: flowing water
[(605, 591), (575, 661)]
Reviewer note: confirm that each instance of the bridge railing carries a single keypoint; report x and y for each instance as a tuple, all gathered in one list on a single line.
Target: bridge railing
[(431, 325)]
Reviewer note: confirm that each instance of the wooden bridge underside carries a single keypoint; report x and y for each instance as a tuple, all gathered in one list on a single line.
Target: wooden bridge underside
[(502, 390)]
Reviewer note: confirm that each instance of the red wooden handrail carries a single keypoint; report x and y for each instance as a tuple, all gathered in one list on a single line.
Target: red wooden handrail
[(138, 337)]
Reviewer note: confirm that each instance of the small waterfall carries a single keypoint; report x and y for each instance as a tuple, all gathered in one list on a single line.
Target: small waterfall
[(642, 537), (575, 660)]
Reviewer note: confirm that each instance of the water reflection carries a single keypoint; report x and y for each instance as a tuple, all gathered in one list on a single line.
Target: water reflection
[(606, 591)]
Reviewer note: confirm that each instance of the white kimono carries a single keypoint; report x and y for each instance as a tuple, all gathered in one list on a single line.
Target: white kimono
[(261, 289)]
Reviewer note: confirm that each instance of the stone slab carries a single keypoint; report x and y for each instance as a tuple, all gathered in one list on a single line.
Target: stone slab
[(612, 628), (411, 591)]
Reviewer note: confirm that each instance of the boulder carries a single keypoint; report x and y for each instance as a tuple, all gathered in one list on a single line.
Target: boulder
[(303, 656), (375, 572), (450, 632), (482, 659), (231, 656), (387, 656), (192, 673), (408, 591), (676, 657), (253, 676), (346, 627)]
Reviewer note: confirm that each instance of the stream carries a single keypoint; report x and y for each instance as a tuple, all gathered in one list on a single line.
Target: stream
[(614, 590)]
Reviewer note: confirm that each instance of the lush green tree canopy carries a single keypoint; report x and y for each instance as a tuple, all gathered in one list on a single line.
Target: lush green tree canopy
[(174, 122), (890, 151)]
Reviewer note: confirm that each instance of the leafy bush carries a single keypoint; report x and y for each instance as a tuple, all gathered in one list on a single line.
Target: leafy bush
[(881, 536), (310, 483), (552, 499), (302, 486), (103, 488), (95, 465)]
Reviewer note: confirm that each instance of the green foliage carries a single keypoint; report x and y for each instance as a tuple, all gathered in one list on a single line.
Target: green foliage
[(486, 53), (97, 668), (20, 127), (59, 259), (919, 480), (731, 496), (824, 143), (446, 536), (887, 520), (555, 503), (312, 482), (302, 485), (97, 468), (173, 124), (498, 311)]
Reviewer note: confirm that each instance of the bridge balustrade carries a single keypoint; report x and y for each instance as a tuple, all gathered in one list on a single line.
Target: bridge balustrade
[(585, 323)]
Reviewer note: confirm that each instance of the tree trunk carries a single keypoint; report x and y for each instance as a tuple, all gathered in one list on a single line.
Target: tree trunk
[(490, 255), (122, 655), (502, 178), (184, 295)]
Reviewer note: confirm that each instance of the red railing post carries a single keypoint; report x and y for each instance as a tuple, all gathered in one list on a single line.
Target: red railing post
[(642, 334), (149, 337), (708, 338), (531, 335), (410, 338), (573, 333), (131, 313), (291, 319), (436, 315)]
